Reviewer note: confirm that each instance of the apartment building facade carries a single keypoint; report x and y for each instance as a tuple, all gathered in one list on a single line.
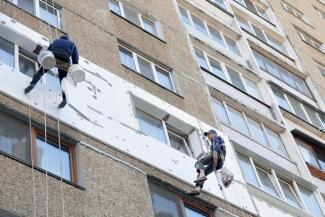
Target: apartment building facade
[(159, 74)]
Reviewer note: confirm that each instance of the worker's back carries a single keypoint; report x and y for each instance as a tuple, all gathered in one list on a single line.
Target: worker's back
[(65, 49)]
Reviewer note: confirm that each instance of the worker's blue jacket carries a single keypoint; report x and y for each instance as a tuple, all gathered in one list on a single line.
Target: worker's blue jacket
[(217, 144), (63, 48)]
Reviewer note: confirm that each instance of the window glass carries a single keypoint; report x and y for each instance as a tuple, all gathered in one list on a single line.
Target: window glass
[(216, 69), (27, 65), (313, 116), (250, 6), (235, 79), (164, 206), (151, 126), (297, 108), (149, 26), (262, 13), (199, 25), (259, 33), (114, 6), (232, 46), (238, 121), (276, 44), (131, 15), (27, 5), (276, 142), (311, 201), (247, 169), (185, 17), (260, 61), (286, 76), (267, 182), (51, 158), (7, 52), (244, 24), (320, 154), (164, 78), (220, 111), (289, 194), (257, 131), (216, 36), (178, 142), (271, 68), (14, 137), (127, 58), (252, 88), (282, 102), (221, 3), (194, 212), (301, 85), (201, 59), (49, 13), (306, 152), (145, 68)]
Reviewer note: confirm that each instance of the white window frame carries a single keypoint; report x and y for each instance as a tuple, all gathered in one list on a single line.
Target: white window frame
[(27, 57), (256, 8), (153, 68), (37, 11)]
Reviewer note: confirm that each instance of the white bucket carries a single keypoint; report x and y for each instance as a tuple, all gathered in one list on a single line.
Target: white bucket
[(76, 73), (46, 59)]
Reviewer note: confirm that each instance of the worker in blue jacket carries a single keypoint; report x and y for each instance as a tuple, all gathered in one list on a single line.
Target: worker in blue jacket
[(64, 51), (211, 162)]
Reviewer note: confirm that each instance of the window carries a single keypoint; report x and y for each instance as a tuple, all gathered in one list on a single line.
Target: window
[(160, 130), (46, 10), (311, 202), (310, 40), (7, 52), (14, 137), (134, 17), (27, 64), (303, 111), (261, 34), (220, 3), (166, 204), (281, 73), (248, 126), (320, 12), (254, 8), (49, 156), (151, 126), (146, 68), (321, 68), (204, 28), (267, 179), (220, 70), (295, 12)]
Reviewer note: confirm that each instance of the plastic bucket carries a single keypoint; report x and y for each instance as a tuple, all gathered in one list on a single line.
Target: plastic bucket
[(76, 73), (46, 59)]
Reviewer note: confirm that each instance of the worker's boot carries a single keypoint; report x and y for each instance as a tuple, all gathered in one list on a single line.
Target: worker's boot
[(201, 177), (63, 102), (195, 191), (29, 88)]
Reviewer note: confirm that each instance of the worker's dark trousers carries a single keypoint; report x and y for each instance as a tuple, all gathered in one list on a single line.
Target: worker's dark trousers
[(206, 164)]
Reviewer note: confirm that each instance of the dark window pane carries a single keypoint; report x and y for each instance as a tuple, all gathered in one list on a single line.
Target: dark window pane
[(194, 212), (27, 65), (145, 68), (7, 52), (164, 206), (126, 58), (49, 13), (114, 6), (27, 5)]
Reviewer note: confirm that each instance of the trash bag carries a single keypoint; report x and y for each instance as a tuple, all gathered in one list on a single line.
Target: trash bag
[(226, 176)]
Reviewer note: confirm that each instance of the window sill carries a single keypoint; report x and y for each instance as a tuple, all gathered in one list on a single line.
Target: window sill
[(39, 18), (42, 170), (156, 37), (280, 52), (255, 14), (276, 201), (220, 8), (128, 68), (316, 172), (323, 52), (230, 84)]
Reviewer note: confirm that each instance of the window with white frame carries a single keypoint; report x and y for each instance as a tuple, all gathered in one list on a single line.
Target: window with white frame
[(310, 40), (274, 69), (26, 64), (204, 28), (256, 9), (294, 11), (261, 34), (145, 67), (268, 180), (320, 12), (320, 67), (248, 126), (134, 17), (46, 10), (228, 74), (296, 107), (162, 131), (220, 3)]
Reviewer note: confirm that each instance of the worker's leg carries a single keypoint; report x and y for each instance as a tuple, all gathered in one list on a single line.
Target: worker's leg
[(62, 75), (200, 168), (36, 77)]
